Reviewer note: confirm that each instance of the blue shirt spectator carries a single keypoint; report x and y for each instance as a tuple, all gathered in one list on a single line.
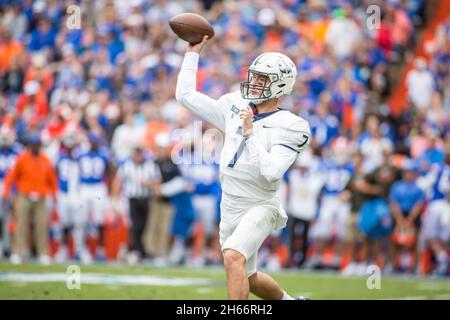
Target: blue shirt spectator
[(406, 194), (431, 156), (44, 36), (324, 128)]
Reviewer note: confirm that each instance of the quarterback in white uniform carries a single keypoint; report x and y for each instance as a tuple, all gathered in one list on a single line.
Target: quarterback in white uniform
[(261, 143)]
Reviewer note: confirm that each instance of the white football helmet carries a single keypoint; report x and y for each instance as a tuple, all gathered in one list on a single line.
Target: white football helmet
[(341, 149), (280, 71), (7, 136), (70, 137)]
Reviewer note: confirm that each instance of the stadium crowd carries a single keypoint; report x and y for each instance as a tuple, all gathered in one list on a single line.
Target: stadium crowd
[(90, 127)]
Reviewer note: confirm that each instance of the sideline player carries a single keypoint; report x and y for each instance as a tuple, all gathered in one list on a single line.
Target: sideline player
[(94, 171), (436, 221), (67, 200), (9, 150)]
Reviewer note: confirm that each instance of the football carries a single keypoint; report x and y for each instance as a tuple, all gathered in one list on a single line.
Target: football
[(191, 27)]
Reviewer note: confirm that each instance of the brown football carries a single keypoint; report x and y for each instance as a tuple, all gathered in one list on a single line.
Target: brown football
[(191, 27)]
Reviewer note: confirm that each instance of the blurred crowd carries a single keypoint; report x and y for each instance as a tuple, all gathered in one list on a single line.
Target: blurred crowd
[(89, 126)]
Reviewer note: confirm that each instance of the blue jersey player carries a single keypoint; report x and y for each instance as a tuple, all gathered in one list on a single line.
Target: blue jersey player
[(8, 153), (203, 173), (94, 168), (334, 205), (67, 200), (436, 221)]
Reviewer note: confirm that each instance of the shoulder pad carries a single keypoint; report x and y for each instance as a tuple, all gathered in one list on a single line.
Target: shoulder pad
[(296, 134)]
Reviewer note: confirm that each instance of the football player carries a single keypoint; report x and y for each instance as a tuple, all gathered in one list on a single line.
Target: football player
[(204, 175), (67, 199), (8, 154), (334, 204), (94, 167), (436, 221), (261, 143)]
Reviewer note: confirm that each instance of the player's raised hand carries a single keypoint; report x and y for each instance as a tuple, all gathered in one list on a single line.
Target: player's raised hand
[(198, 47), (247, 125)]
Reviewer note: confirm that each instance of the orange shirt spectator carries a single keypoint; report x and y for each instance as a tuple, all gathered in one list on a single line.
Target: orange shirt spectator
[(273, 41), (320, 30), (44, 76), (9, 50), (33, 98), (305, 30), (314, 31), (32, 174), (40, 72), (401, 28)]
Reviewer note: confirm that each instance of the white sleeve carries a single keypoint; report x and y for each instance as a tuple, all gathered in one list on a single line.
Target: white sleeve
[(157, 172), (173, 187), (152, 172), (199, 103), (272, 165), (289, 142)]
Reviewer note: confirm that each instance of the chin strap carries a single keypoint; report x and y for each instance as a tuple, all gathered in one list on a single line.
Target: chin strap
[(254, 108)]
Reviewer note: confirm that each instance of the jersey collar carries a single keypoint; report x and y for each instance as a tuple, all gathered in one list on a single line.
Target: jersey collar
[(258, 116)]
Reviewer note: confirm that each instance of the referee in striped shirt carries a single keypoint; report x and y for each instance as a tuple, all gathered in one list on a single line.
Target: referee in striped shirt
[(135, 177)]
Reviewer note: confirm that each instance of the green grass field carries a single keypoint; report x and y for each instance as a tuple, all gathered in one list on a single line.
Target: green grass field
[(32, 281)]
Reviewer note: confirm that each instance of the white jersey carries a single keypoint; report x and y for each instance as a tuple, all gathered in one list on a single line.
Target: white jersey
[(249, 167)]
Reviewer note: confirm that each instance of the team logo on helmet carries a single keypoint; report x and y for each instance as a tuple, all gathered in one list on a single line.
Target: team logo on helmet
[(284, 67)]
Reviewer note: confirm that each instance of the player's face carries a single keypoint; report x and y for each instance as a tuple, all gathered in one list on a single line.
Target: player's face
[(303, 169), (257, 83), (138, 156), (35, 148), (4, 142), (409, 175), (94, 145), (161, 152)]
